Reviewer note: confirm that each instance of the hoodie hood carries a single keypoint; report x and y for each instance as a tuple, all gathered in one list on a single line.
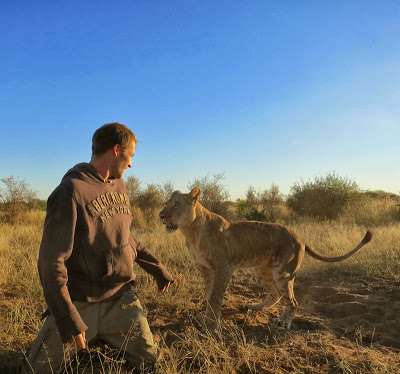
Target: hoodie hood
[(85, 171)]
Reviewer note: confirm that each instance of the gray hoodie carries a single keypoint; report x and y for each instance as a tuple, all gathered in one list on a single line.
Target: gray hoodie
[(87, 249)]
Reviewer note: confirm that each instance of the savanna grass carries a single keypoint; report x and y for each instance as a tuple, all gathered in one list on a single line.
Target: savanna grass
[(184, 348), (380, 258)]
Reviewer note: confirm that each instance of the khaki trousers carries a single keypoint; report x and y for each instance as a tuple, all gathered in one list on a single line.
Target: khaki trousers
[(121, 323)]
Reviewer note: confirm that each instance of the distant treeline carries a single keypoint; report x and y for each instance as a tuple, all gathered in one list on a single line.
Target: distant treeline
[(329, 197)]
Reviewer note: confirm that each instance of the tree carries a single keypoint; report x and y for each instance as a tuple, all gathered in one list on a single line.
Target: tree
[(17, 199)]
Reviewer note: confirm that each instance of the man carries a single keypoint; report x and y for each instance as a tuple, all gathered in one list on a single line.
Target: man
[(86, 262)]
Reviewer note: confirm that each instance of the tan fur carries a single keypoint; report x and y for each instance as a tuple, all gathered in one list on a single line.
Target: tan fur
[(218, 247)]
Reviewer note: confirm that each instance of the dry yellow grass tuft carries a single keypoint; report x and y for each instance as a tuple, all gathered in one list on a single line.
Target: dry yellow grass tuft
[(347, 322)]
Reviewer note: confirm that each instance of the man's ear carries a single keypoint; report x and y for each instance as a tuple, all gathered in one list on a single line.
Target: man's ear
[(116, 149), (195, 194)]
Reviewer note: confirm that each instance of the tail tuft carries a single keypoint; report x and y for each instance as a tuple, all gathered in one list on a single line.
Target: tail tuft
[(367, 237)]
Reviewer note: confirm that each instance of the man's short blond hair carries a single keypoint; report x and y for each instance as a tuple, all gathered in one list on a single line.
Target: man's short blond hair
[(111, 134)]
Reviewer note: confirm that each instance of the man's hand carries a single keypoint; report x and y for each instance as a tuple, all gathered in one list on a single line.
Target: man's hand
[(78, 341), (166, 287)]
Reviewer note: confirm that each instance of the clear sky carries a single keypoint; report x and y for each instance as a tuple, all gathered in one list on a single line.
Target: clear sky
[(262, 91)]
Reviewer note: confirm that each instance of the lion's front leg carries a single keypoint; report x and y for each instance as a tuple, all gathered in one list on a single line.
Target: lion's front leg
[(208, 277), (222, 276)]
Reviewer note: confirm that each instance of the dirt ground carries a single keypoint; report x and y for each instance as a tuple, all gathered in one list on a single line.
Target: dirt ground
[(343, 305), (338, 315), (350, 306)]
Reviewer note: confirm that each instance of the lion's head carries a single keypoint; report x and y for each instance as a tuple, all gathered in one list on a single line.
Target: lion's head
[(180, 209)]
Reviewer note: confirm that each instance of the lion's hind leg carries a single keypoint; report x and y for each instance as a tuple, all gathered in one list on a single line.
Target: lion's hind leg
[(285, 287), (264, 274)]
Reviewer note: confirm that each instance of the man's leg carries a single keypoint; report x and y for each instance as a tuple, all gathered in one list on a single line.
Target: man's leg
[(124, 325), (48, 354)]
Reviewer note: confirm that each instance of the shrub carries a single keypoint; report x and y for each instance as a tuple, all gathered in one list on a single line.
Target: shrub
[(325, 198), (138, 218), (150, 198), (132, 185), (17, 199), (248, 208), (272, 203), (268, 206), (40, 204), (214, 195), (146, 203), (168, 189)]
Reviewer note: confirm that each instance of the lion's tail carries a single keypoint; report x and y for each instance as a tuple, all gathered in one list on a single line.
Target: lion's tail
[(367, 238)]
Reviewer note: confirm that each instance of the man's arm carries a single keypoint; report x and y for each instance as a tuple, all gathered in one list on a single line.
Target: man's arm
[(55, 249), (148, 262)]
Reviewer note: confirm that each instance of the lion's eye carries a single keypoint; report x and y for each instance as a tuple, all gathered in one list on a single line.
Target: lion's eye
[(176, 204)]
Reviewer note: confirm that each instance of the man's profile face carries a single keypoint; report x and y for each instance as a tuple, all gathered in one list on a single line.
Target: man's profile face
[(123, 161)]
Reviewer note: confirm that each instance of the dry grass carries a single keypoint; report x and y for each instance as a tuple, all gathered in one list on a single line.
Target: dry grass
[(373, 212), (381, 258), (320, 342)]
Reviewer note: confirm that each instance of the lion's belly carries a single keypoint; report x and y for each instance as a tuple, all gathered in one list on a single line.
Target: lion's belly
[(251, 253), (251, 261)]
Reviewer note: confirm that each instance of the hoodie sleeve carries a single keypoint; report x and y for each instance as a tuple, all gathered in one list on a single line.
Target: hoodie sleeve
[(148, 262), (55, 249)]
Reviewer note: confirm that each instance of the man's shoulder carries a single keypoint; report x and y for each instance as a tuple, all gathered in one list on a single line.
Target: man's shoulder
[(62, 191), (69, 180)]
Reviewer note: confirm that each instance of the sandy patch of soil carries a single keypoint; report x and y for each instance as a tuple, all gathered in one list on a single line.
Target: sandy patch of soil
[(351, 306)]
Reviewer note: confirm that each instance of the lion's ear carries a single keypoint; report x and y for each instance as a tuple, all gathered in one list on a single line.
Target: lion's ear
[(195, 194), (177, 192)]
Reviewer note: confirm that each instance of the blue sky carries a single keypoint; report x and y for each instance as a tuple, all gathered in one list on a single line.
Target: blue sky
[(262, 91)]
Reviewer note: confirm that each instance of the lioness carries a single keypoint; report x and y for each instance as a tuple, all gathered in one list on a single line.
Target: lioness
[(218, 247)]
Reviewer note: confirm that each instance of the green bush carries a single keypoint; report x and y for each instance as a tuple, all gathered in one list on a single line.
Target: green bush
[(324, 198), (248, 208)]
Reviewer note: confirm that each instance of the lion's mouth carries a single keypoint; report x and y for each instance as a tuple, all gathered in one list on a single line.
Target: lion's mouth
[(171, 227)]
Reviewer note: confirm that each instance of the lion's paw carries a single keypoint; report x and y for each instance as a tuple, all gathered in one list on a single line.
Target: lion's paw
[(282, 322), (207, 324)]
